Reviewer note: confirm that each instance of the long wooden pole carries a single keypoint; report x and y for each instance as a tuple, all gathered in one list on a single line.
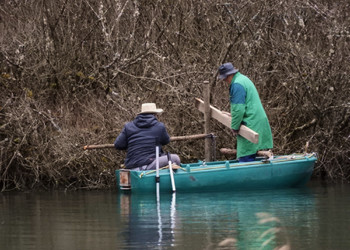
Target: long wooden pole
[(189, 137), (173, 138), (207, 151), (229, 151)]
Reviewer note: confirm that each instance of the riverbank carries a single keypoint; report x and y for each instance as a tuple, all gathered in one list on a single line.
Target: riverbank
[(75, 76)]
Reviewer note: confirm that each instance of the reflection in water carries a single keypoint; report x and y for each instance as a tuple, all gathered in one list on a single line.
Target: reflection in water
[(311, 218), (143, 211), (57, 220), (206, 220), (159, 220), (173, 215)]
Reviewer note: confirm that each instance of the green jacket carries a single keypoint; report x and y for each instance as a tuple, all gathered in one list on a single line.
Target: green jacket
[(246, 108)]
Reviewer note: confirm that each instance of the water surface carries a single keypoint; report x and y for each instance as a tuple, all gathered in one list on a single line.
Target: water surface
[(315, 217)]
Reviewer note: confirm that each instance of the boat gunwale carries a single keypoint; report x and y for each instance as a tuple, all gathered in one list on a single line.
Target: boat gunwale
[(233, 164)]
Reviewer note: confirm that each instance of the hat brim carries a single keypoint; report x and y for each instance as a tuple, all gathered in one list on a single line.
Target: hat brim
[(157, 111), (232, 71)]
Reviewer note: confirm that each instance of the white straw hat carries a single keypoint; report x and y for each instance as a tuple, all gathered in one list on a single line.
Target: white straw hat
[(150, 108)]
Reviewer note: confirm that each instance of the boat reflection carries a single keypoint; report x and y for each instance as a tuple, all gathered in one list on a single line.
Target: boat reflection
[(245, 220)]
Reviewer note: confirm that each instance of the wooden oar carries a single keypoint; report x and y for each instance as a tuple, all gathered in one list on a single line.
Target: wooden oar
[(173, 138), (225, 119)]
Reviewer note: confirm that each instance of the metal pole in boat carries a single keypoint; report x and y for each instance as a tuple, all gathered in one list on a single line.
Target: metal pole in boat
[(158, 198), (171, 173), (157, 172)]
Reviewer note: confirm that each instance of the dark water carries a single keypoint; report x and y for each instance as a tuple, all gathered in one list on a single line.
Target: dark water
[(315, 217)]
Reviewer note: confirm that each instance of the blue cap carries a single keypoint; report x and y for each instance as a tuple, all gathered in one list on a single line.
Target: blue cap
[(226, 69)]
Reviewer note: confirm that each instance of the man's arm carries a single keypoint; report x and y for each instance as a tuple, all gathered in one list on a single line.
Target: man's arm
[(237, 105), (165, 138), (122, 141)]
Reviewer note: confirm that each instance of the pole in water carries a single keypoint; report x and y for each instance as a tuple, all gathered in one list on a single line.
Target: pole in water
[(160, 234), (173, 214), (171, 173), (157, 172)]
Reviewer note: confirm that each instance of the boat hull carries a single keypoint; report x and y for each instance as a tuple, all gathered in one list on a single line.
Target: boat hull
[(281, 172)]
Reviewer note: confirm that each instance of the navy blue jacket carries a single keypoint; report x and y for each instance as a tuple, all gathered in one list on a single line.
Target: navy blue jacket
[(139, 137)]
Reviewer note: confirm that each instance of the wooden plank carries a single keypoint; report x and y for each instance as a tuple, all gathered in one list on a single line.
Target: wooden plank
[(225, 119)]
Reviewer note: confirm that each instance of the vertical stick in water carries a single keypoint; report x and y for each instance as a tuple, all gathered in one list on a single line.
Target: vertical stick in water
[(158, 197), (157, 172), (173, 217), (160, 231), (171, 173)]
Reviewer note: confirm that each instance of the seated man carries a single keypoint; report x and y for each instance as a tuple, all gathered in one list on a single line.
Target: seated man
[(140, 137)]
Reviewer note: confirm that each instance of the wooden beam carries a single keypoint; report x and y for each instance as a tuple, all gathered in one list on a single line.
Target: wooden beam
[(206, 109), (225, 119)]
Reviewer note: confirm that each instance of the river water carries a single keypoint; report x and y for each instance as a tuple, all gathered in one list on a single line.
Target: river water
[(314, 217)]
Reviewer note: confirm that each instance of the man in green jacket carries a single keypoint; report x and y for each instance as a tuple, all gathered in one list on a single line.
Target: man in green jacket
[(246, 108)]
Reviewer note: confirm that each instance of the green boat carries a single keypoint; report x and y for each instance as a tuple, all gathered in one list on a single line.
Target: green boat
[(280, 172)]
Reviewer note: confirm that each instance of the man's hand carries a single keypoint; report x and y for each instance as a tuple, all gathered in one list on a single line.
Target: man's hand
[(234, 132)]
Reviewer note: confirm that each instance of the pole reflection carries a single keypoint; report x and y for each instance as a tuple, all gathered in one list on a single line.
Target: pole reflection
[(149, 221)]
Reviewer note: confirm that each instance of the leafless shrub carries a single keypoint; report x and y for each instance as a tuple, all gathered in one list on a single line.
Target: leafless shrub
[(73, 72)]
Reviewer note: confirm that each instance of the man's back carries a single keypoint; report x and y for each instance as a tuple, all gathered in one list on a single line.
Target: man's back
[(140, 137)]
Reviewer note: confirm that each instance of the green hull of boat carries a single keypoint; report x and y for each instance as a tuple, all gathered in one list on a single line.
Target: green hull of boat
[(281, 172)]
